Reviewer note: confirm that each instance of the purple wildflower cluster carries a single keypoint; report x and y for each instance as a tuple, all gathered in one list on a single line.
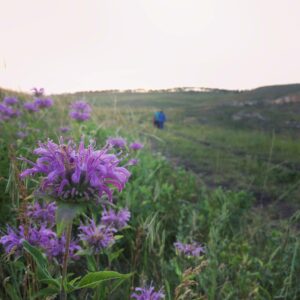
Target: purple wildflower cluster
[(147, 293), (120, 143), (39, 233), (117, 142), (193, 249), (115, 219), (42, 237), (80, 111), (56, 248), (41, 103), (9, 101), (64, 129), (77, 174), (30, 107), (99, 237), (42, 213), (8, 109), (12, 242), (136, 146)]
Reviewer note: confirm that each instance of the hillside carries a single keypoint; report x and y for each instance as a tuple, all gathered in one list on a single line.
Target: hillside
[(207, 209)]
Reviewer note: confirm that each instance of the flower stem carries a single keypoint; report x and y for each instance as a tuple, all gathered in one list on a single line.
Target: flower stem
[(63, 295), (97, 262)]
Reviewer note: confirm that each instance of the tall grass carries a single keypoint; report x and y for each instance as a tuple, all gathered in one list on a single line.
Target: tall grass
[(249, 254)]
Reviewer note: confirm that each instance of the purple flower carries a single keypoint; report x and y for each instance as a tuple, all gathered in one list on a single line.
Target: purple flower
[(77, 174), (8, 112), (38, 92), (43, 102), (147, 293), (116, 142), (193, 249), (10, 101), (97, 237), (64, 129), (136, 146), (12, 241), (41, 237), (31, 107), (55, 248), (42, 213), (80, 111), (115, 219)]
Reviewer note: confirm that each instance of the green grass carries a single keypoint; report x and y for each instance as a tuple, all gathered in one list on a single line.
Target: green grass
[(231, 185), (260, 156)]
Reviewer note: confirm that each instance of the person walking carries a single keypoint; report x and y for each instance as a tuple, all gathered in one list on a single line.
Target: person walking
[(161, 119), (156, 119)]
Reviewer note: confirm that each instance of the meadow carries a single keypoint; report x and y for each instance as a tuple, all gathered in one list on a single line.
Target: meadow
[(213, 198)]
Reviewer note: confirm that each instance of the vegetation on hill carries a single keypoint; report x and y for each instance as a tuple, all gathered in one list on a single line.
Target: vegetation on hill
[(229, 184)]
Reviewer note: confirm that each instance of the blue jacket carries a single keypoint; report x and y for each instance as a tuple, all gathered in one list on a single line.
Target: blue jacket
[(156, 116), (161, 117)]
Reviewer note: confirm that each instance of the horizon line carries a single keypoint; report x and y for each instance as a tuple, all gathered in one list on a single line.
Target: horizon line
[(141, 89)]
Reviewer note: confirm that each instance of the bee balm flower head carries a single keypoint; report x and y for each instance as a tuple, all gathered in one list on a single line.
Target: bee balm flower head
[(77, 174), (80, 111)]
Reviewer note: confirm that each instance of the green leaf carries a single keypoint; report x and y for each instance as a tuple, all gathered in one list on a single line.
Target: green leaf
[(91, 263), (39, 259), (52, 281), (12, 292), (48, 291), (65, 214), (118, 237), (70, 286), (91, 280), (37, 255), (114, 255), (84, 252)]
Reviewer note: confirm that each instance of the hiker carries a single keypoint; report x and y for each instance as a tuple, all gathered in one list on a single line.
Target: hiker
[(156, 119), (161, 119)]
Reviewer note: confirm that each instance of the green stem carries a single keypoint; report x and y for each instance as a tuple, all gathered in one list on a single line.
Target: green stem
[(97, 262), (97, 291), (63, 295)]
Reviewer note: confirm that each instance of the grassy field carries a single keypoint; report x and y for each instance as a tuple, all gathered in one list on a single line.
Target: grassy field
[(237, 140), (225, 172)]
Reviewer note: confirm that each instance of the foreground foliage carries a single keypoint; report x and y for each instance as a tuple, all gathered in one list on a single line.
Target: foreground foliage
[(246, 254)]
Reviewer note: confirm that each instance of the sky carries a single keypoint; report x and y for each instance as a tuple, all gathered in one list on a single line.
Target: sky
[(76, 45)]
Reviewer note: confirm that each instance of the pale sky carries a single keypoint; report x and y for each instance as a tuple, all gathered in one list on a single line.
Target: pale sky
[(73, 45)]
